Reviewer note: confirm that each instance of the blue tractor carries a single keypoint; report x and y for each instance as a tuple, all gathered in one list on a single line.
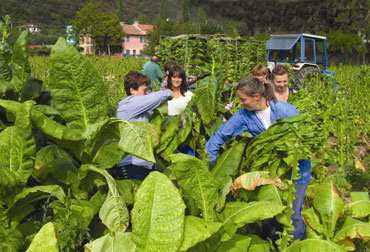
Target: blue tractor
[(306, 53)]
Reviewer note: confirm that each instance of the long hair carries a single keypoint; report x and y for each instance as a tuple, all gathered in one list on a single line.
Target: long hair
[(178, 71), (252, 86)]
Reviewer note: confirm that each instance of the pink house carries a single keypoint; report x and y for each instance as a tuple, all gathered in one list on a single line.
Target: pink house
[(135, 38)]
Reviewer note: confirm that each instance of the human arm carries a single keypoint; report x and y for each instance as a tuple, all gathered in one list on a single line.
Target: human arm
[(232, 128), (137, 105)]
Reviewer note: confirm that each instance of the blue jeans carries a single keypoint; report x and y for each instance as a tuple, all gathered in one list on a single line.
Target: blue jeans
[(130, 172), (186, 150), (301, 187)]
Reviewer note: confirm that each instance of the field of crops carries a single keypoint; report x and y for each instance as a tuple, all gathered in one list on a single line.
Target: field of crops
[(58, 140)]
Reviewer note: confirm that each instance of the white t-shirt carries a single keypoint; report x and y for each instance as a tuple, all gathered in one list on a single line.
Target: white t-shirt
[(264, 116), (177, 105)]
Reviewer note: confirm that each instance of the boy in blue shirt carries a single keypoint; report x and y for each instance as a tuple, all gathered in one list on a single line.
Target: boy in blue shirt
[(138, 106)]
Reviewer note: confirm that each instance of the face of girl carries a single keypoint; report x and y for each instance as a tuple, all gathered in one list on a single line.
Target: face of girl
[(281, 83), (251, 103), (262, 78), (176, 80)]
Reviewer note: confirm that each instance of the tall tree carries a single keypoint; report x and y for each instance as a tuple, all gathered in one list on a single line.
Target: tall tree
[(120, 9), (94, 20), (185, 11)]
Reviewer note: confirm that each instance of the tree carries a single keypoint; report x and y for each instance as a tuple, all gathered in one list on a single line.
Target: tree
[(120, 9), (185, 11), (94, 20)]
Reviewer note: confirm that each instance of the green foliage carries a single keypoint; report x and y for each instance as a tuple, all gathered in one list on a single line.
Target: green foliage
[(75, 87), (44, 240), (116, 242), (347, 43), (281, 146), (197, 230), (158, 215), (312, 244), (65, 178), (103, 26), (238, 214), (196, 183)]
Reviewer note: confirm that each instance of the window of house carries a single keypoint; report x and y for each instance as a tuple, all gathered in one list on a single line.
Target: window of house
[(142, 40), (127, 38), (127, 52), (134, 52), (141, 52)]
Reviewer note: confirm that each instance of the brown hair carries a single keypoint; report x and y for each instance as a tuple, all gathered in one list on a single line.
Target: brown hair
[(169, 65), (134, 80), (279, 70), (177, 70), (259, 70), (253, 86)]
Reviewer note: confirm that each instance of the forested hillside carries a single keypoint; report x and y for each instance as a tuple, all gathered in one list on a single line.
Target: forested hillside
[(251, 16)]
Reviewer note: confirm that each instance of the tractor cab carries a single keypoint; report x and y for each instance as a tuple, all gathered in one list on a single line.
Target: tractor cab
[(306, 53)]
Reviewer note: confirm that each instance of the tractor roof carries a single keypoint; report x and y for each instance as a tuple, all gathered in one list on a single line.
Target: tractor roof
[(287, 41)]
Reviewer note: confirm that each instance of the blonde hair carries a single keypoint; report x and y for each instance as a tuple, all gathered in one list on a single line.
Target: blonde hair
[(259, 70)]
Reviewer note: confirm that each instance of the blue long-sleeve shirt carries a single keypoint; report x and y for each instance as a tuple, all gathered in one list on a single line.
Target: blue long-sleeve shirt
[(245, 120), (139, 109)]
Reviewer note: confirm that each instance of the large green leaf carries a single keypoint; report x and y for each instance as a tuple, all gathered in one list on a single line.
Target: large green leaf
[(360, 205), (76, 87), (136, 139), (314, 245), (53, 190), (196, 182), (226, 169), (113, 213), (56, 162), (329, 205), (197, 230), (109, 140), (312, 219), (353, 229), (258, 244), (44, 240), (16, 157), (170, 128), (238, 214), (238, 243), (117, 242), (228, 162), (127, 189), (22, 114), (158, 215), (179, 135), (21, 70), (270, 193), (206, 99), (53, 129)]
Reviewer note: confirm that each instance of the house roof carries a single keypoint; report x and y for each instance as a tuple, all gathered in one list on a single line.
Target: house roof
[(136, 28)]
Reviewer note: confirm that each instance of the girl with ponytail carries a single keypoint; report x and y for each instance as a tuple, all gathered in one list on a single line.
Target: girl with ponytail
[(260, 110)]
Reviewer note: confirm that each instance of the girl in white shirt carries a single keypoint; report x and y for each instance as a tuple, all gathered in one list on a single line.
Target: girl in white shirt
[(176, 81)]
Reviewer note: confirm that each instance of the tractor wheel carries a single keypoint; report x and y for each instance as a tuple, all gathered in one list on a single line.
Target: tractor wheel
[(302, 75)]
